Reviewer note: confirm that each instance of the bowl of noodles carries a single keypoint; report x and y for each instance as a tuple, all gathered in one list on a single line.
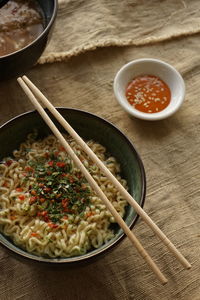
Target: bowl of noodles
[(48, 211)]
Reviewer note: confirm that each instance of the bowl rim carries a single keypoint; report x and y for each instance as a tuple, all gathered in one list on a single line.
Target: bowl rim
[(136, 113), (90, 255), (52, 19)]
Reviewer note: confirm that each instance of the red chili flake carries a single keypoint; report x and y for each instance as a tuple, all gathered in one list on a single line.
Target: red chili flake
[(32, 200), (9, 162), (19, 189), (41, 185), (56, 153), (58, 196), (62, 148), (35, 234), (33, 192), (21, 197), (46, 218), (12, 218), (64, 175), (47, 189), (28, 169), (46, 154), (42, 200), (52, 225), (50, 163), (65, 203), (89, 214), (44, 213), (60, 164), (5, 184)]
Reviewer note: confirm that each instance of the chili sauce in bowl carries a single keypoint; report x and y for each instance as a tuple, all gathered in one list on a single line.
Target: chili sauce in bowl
[(148, 94), (149, 89)]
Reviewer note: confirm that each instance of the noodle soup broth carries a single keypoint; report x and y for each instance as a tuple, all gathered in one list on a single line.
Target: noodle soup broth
[(21, 22)]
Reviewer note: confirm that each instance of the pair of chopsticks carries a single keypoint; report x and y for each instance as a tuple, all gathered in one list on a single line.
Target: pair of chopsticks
[(33, 92)]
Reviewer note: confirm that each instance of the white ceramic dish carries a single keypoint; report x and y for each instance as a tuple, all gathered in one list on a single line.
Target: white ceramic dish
[(149, 66)]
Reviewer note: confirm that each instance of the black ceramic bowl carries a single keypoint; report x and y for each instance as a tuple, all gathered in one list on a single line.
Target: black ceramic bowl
[(88, 126), (17, 63)]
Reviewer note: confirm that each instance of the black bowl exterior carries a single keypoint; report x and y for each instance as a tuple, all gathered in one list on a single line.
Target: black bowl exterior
[(3, 2), (88, 126), (17, 63)]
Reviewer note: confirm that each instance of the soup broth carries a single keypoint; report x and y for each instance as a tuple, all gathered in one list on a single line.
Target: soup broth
[(21, 22)]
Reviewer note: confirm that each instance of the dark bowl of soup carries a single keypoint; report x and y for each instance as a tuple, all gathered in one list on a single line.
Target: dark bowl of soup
[(25, 29)]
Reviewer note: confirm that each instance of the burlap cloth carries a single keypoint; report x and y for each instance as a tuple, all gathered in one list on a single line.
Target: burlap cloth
[(170, 149)]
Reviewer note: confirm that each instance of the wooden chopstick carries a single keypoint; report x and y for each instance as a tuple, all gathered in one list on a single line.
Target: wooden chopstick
[(93, 183), (112, 178)]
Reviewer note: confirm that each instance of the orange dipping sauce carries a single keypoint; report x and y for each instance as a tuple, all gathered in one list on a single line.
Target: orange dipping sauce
[(148, 93)]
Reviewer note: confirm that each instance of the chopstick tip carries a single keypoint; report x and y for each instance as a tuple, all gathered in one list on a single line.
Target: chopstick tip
[(189, 266), (165, 282), (186, 264)]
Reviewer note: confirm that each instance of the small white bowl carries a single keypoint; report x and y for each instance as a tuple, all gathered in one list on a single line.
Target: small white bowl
[(149, 66)]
